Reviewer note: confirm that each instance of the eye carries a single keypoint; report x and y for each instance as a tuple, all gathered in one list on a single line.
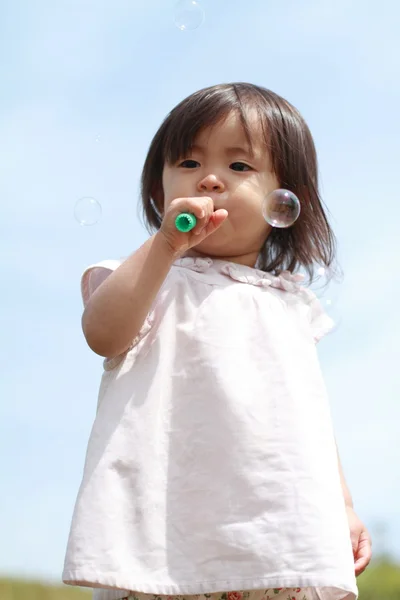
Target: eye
[(189, 164), (239, 166)]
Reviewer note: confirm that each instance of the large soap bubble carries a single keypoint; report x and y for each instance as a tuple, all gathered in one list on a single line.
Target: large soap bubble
[(281, 208)]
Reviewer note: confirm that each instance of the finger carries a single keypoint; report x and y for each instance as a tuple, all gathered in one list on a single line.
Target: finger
[(208, 212), (198, 208), (363, 557), (355, 540), (216, 220), (360, 567)]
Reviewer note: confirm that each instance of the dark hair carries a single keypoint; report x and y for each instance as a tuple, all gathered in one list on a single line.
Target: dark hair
[(310, 240)]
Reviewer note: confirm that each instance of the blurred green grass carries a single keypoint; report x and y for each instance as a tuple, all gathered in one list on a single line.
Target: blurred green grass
[(381, 581), (15, 589)]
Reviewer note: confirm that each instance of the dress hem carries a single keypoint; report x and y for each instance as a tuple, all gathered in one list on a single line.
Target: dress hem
[(127, 584)]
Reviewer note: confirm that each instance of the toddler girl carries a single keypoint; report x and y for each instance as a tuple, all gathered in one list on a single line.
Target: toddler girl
[(211, 469)]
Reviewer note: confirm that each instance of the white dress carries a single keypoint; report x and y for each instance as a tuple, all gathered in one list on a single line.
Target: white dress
[(212, 463)]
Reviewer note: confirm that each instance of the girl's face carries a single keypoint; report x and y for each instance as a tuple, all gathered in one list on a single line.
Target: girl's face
[(222, 167)]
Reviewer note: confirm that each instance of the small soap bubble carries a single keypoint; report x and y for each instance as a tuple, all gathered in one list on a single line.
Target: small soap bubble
[(333, 310), (281, 208), (98, 139), (87, 211), (189, 15), (327, 288)]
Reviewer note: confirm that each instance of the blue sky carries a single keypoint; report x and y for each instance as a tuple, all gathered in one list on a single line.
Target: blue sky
[(84, 86)]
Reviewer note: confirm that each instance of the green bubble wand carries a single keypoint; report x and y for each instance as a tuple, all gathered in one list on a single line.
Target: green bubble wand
[(185, 222)]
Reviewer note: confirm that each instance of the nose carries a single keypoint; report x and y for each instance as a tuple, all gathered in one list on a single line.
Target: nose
[(211, 183)]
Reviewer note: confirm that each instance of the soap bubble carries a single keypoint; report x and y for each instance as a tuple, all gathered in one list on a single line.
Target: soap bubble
[(189, 15), (281, 208), (87, 211)]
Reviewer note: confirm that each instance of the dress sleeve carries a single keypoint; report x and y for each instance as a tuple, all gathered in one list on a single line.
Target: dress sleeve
[(94, 275)]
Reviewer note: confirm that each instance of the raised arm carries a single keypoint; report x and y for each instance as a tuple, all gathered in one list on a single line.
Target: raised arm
[(118, 308)]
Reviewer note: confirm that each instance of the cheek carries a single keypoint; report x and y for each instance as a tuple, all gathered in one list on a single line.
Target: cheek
[(248, 201), (247, 217), (248, 221), (170, 187)]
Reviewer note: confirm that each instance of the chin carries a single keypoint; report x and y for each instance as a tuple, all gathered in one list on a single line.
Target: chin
[(215, 249)]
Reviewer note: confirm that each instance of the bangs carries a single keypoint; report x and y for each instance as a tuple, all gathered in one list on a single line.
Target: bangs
[(205, 110)]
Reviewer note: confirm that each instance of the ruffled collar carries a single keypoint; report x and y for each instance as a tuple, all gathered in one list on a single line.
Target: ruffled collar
[(285, 281)]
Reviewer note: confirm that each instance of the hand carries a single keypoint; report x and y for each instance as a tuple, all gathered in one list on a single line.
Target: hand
[(360, 541), (208, 221)]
